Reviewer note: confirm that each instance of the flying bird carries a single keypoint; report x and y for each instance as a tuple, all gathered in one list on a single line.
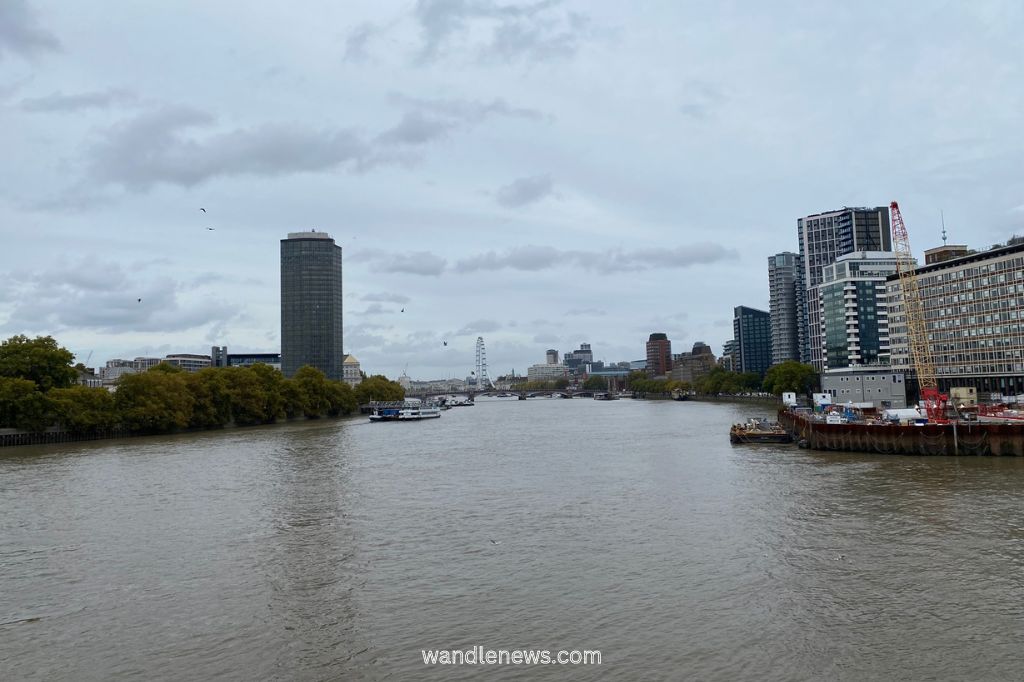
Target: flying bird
[(210, 228), (445, 342), (403, 310), (140, 300), (495, 542), (203, 210)]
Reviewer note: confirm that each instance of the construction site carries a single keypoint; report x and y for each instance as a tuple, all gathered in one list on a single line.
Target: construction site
[(937, 424)]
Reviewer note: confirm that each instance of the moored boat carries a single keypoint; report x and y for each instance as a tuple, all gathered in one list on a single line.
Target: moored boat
[(759, 430), (410, 409)]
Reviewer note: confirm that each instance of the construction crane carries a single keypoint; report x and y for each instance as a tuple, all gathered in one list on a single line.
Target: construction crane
[(917, 331)]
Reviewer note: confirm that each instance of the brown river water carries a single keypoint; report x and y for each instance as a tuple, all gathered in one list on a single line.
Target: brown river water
[(340, 549)]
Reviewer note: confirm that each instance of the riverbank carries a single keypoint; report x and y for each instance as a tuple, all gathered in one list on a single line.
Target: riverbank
[(12, 438)]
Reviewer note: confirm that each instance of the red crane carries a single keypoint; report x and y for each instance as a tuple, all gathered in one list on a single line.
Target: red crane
[(917, 330)]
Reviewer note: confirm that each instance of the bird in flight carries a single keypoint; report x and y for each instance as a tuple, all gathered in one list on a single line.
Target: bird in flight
[(140, 300), (403, 310), (203, 210), (445, 342), (495, 542), (210, 228)]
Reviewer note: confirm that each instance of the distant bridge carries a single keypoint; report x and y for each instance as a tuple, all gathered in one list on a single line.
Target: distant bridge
[(495, 393)]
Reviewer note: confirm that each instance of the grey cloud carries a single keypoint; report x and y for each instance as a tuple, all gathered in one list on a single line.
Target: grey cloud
[(530, 258), (153, 148), (521, 38), (416, 263), (586, 311), (372, 309), (355, 43), (536, 30), (523, 191), (175, 145), (701, 99), (479, 327), (546, 338), (104, 297), (534, 258), (385, 297), (20, 33), (427, 120), (59, 102)]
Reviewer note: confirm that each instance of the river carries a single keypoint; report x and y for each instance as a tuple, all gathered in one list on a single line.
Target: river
[(341, 549)]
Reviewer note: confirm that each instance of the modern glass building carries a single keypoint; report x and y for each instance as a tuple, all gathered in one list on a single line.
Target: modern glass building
[(823, 237), (311, 304), (752, 332), (853, 321)]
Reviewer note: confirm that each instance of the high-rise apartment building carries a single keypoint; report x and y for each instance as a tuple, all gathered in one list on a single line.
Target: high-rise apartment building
[(785, 296), (659, 355), (752, 333), (823, 237), (311, 304), (854, 321)]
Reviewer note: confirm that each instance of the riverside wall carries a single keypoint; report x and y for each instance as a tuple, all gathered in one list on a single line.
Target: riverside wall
[(927, 439)]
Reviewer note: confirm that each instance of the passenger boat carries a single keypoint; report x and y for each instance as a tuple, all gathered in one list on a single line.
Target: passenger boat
[(758, 430), (605, 396), (410, 409)]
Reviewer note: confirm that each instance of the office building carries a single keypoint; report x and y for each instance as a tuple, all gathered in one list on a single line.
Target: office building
[(576, 360), (552, 356), (692, 365), (823, 237), (659, 355), (547, 372), (311, 304), (974, 315), (785, 297), (752, 332)]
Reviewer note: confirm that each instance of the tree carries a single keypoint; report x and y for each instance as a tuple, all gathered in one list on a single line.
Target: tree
[(82, 409), (276, 393), (596, 384), (341, 398), (562, 382), (379, 388), (39, 360), (790, 376), (312, 385), (154, 402), (23, 405), (211, 396)]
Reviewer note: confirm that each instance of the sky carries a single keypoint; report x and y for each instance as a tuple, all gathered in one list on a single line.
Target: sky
[(538, 173)]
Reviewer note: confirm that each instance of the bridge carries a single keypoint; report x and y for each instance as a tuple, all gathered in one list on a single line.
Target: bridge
[(472, 395)]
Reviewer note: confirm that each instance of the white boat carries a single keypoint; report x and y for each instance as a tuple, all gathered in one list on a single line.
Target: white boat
[(410, 409)]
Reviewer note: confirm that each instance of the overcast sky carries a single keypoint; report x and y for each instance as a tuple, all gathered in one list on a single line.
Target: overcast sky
[(542, 173)]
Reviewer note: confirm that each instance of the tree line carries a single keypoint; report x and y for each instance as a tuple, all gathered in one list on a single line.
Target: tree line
[(39, 389)]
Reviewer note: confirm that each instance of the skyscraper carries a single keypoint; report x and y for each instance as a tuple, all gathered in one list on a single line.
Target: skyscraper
[(659, 355), (311, 331), (785, 302), (823, 237), (752, 332)]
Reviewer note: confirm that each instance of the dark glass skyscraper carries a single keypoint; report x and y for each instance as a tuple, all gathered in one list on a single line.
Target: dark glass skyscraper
[(752, 332), (311, 304)]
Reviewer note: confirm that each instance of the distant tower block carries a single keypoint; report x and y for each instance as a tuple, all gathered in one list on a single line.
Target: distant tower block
[(483, 382)]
